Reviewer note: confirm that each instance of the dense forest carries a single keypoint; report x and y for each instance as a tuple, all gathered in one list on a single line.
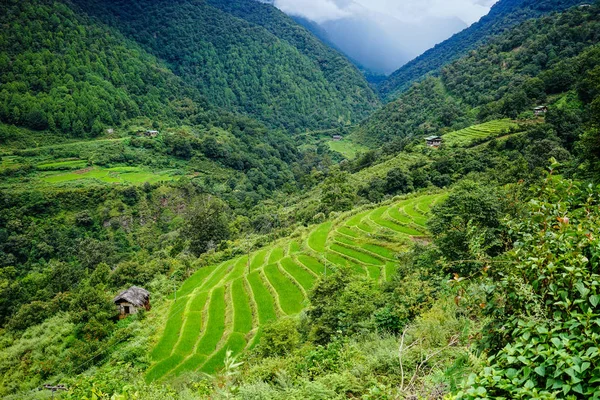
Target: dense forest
[(246, 57), (278, 267), (63, 73), (504, 15)]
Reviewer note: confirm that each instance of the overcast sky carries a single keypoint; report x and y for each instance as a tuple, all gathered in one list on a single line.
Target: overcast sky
[(382, 35), (468, 11)]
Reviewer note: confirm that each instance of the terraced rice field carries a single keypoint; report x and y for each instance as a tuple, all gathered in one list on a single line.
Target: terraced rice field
[(223, 307), (467, 136)]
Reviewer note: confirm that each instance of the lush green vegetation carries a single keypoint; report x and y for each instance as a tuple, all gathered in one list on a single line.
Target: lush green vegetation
[(262, 64), (279, 283), (284, 271), (507, 77), (504, 15), (479, 133)]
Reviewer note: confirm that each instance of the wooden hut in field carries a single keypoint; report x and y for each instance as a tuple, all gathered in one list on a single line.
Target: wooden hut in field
[(129, 301)]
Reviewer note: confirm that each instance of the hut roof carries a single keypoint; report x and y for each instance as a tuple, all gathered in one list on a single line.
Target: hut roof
[(432, 138), (134, 295)]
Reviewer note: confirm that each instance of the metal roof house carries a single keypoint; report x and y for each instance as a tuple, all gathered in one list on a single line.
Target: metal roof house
[(434, 141), (540, 110), (131, 300)]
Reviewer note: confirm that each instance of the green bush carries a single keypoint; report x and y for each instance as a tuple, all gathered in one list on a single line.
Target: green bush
[(543, 341)]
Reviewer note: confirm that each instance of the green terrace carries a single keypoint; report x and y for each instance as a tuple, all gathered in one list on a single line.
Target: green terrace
[(223, 307), (479, 133)]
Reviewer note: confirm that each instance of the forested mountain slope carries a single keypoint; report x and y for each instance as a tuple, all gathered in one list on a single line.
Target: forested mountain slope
[(514, 72), (246, 57), (62, 72), (504, 15)]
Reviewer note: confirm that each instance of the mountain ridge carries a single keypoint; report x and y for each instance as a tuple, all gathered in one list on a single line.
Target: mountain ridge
[(502, 16)]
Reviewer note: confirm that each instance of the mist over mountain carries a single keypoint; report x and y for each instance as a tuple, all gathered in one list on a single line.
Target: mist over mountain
[(381, 36)]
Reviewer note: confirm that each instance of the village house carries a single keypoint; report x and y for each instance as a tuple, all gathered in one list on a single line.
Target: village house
[(337, 138), (434, 141), (129, 301), (540, 110), (151, 134)]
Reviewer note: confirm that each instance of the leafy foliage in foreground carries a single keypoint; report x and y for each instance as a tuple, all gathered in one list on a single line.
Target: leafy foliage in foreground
[(546, 303)]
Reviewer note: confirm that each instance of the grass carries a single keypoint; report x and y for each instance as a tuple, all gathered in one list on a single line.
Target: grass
[(311, 263), (397, 227), (347, 231), (345, 240), (488, 130), (195, 280), (289, 295), (216, 323), (390, 270), (347, 148), (193, 325), (355, 220), (171, 333), (276, 254), (356, 254), (302, 276), (60, 165), (416, 216), (259, 259), (397, 215), (164, 367), (318, 238), (192, 363), (133, 175), (294, 247), (220, 273), (374, 272), (242, 312), (265, 303), (337, 259), (239, 269), (236, 343), (379, 250), (277, 284)]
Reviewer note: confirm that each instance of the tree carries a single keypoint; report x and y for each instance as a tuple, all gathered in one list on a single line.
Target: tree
[(338, 194), (341, 302), (545, 303), (207, 225), (398, 181), (469, 224)]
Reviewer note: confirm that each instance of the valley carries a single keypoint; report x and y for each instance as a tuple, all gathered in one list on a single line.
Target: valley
[(205, 200)]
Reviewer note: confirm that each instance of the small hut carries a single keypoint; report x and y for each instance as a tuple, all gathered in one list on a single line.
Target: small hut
[(433, 141), (336, 138), (151, 134), (131, 300), (540, 110)]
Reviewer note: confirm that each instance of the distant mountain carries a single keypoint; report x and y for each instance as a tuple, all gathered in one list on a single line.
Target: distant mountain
[(378, 43), (510, 75), (246, 57), (504, 15)]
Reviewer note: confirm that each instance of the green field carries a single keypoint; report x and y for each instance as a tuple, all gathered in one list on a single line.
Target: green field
[(347, 148), (134, 175), (475, 133), (223, 307)]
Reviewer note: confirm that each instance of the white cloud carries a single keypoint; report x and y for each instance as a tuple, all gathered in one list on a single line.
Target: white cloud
[(316, 10), (404, 10)]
